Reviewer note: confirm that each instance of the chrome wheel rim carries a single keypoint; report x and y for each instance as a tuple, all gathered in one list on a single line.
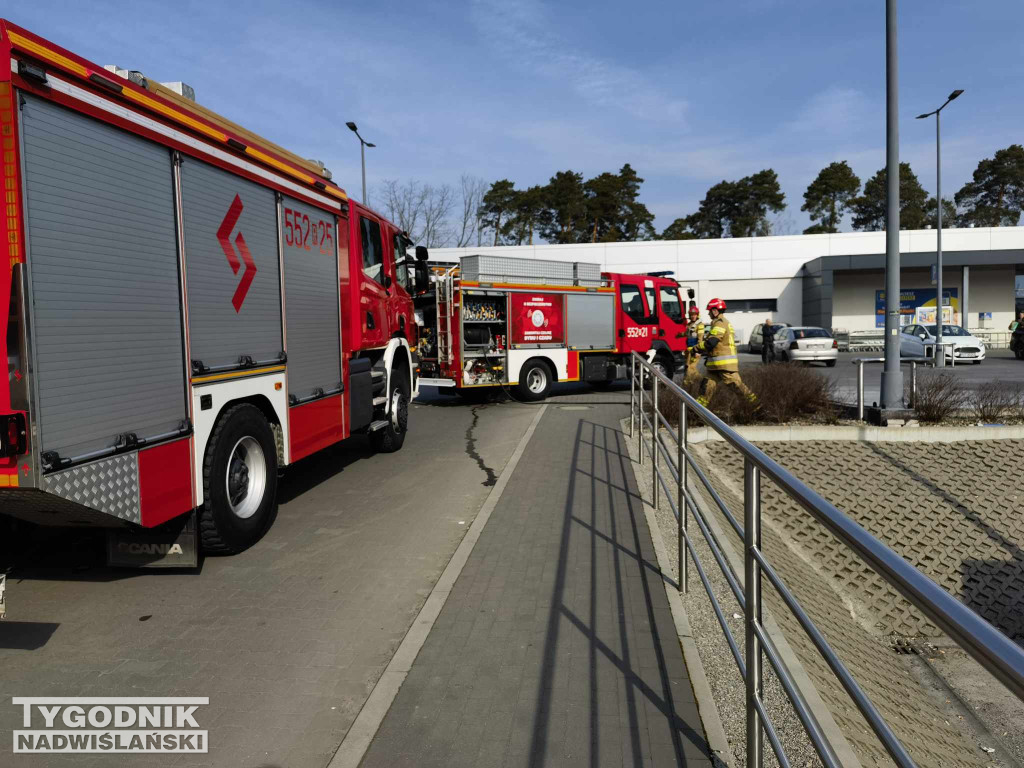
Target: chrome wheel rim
[(399, 412), (536, 380), (246, 477)]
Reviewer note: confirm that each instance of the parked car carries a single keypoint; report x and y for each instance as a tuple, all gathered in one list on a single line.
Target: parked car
[(1017, 342), (919, 341), (805, 344), (757, 335)]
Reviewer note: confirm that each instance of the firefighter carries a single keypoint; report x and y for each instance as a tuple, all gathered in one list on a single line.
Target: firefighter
[(695, 334), (721, 361)]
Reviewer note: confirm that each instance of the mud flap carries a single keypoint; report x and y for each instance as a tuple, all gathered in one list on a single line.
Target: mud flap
[(171, 545)]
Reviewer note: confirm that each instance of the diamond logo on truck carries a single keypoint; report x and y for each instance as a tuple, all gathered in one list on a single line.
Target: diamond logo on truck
[(224, 238)]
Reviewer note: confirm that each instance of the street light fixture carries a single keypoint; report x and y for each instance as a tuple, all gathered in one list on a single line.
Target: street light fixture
[(940, 360), (362, 154)]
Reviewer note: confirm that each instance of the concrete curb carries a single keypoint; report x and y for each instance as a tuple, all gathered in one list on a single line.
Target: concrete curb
[(706, 706), (353, 747), (763, 434)]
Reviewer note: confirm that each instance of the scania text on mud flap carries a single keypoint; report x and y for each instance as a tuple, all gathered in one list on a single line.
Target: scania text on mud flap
[(190, 307), (496, 321)]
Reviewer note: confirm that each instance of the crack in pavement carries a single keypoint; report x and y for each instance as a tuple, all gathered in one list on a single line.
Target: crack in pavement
[(471, 451)]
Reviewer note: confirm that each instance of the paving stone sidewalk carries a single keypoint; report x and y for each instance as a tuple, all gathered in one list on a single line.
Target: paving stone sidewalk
[(556, 646)]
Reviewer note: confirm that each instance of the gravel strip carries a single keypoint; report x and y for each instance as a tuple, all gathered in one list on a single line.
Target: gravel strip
[(719, 665)]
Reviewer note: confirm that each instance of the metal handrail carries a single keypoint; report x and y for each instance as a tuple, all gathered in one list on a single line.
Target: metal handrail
[(859, 362), (988, 646)]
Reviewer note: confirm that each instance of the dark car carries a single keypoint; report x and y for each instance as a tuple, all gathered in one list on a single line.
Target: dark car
[(1017, 342)]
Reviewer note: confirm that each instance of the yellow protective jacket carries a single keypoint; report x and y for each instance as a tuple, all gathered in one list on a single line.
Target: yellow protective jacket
[(695, 335), (722, 356)]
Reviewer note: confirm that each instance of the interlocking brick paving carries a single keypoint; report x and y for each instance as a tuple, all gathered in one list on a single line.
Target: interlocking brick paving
[(950, 509)]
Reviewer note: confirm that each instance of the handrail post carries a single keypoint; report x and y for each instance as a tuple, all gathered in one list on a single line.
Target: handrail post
[(860, 390), (632, 393), (913, 383), (640, 418), (752, 595), (654, 439), (684, 515)]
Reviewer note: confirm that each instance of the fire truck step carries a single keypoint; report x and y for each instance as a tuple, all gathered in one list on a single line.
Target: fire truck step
[(380, 400), (375, 425)]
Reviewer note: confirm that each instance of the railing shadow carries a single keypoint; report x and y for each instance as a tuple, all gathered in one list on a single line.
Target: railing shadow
[(601, 472)]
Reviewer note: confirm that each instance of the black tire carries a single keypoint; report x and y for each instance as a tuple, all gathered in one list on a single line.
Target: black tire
[(534, 381), (232, 460), (391, 438), (830, 363)]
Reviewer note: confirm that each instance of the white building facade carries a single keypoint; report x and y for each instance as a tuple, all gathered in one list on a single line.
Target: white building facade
[(834, 281)]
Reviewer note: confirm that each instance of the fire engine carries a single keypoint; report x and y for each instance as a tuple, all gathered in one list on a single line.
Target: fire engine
[(496, 321), (190, 306)]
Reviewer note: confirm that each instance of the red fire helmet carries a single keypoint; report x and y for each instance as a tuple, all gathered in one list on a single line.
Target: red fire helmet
[(717, 304)]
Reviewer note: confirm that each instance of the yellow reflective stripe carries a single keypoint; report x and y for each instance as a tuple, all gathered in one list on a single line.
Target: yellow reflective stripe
[(718, 331), (45, 53)]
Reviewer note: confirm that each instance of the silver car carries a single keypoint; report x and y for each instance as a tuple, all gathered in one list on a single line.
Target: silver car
[(806, 344), (757, 335), (958, 344)]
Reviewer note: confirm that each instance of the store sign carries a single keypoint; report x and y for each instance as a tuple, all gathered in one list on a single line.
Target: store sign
[(913, 298), (536, 318)]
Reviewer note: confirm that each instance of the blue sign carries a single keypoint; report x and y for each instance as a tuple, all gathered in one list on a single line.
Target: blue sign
[(910, 300)]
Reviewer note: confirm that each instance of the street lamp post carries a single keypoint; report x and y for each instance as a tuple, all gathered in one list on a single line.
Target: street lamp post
[(891, 395), (362, 155), (940, 359)]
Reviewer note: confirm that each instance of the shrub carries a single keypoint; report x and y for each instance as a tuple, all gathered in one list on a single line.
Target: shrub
[(790, 390), (995, 400), (785, 392), (939, 395)]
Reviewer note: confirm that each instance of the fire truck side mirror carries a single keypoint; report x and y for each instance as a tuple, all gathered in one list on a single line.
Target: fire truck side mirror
[(421, 253), (422, 273)]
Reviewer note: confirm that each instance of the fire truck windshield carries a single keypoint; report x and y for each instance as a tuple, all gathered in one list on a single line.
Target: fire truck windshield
[(670, 303)]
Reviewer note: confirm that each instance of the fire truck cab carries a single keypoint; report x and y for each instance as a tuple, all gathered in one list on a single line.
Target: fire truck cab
[(188, 307), (495, 321)]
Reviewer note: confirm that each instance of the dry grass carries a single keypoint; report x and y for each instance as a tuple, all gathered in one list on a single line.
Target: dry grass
[(785, 392), (997, 400), (939, 396)]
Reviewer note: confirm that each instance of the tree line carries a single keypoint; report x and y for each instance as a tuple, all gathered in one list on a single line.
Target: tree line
[(607, 208)]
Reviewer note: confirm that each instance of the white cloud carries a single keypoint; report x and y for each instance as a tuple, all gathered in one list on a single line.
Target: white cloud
[(522, 33), (836, 111)]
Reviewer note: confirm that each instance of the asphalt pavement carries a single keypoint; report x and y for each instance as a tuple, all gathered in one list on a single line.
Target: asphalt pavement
[(288, 638)]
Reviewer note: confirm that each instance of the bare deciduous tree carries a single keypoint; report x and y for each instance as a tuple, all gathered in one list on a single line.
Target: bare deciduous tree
[(437, 208), (469, 227), (421, 210)]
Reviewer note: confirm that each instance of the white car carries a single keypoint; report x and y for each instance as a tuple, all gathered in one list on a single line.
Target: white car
[(959, 346), (805, 344)]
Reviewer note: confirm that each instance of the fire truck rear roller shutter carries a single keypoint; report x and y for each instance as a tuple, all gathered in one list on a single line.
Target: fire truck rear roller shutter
[(311, 303), (220, 334), (591, 320), (104, 265)]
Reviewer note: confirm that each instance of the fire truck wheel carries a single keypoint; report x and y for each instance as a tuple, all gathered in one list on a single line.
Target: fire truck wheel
[(390, 438), (239, 482), (534, 381)]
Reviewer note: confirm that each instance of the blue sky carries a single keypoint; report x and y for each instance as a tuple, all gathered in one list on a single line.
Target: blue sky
[(690, 92)]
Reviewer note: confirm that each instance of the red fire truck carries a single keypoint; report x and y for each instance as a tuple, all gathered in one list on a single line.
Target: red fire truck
[(495, 321), (190, 307)]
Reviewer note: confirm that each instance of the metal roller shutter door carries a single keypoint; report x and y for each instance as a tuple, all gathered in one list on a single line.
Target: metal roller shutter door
[(231, 312), (311, 300), (104, 268), (591, 320)]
